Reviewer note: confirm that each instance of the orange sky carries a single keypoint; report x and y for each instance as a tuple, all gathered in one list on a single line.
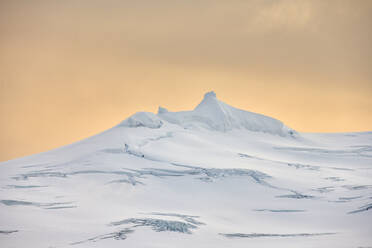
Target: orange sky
[(70, 69)]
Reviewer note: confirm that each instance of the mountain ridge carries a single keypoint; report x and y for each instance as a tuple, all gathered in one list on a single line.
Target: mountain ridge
[(213, 114)]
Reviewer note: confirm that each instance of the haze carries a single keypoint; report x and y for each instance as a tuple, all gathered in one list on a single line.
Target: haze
[(70, 69)]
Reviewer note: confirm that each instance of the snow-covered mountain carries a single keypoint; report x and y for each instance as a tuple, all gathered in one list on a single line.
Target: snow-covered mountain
[(211, 114), (216, 176)]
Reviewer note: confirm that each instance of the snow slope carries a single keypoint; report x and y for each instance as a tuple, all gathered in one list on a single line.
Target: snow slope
[(216, 176)]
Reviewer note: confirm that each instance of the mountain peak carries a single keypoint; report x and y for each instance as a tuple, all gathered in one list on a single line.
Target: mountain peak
[(211, 114), (210, 94), (209, 101), (162, 110)]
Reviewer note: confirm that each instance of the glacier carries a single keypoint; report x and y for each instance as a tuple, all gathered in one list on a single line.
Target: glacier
[(214, 176)]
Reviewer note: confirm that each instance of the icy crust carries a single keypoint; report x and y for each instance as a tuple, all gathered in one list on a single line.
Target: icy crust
[(142, 119), (211, 114), (266, 235), (185, 225)]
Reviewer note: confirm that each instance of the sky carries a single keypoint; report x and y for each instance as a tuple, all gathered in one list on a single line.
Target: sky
[(73, 68)]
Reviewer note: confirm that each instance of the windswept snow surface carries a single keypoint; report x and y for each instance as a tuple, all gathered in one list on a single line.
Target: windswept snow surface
[(216, 176)]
